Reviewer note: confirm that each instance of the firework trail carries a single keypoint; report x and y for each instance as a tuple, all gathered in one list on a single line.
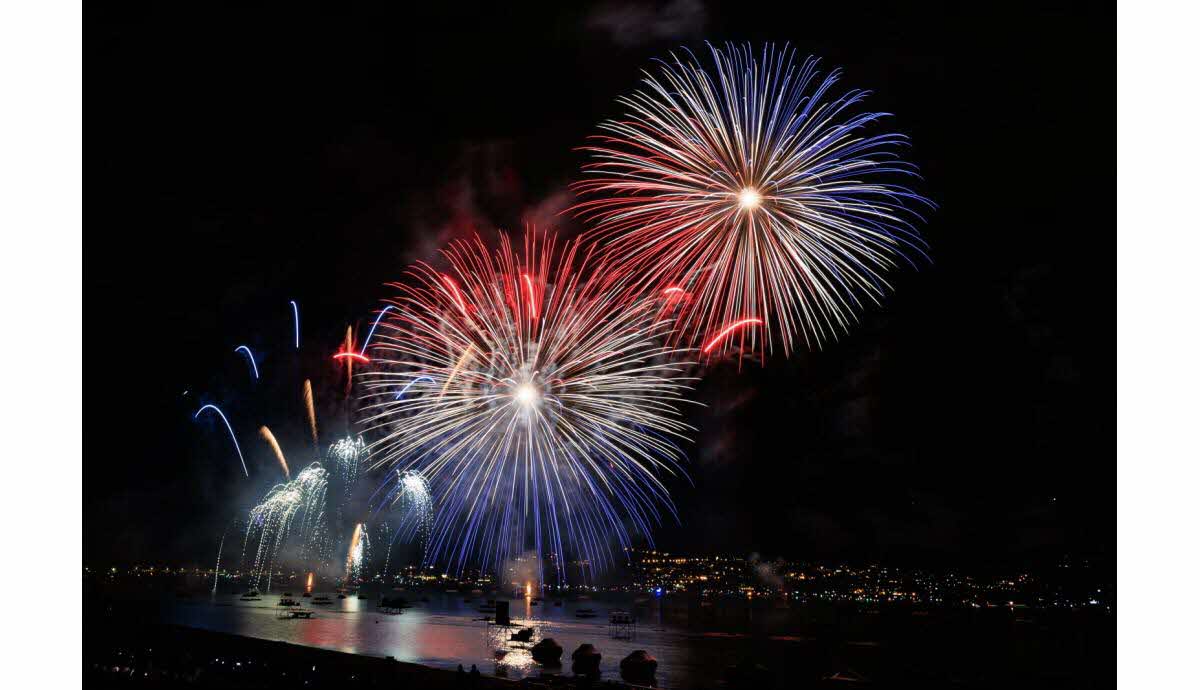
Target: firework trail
[(228, 426), (296, 321), (217, 569), (548, 431), (757, 190), (311, 409), (220, 549), (249, 356), (270, 439), (348, 349), (371, 332), (410, 384)]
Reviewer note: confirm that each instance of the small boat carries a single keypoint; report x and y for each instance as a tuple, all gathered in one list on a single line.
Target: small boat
[(585, 613), (322, 601), (287, 601), (522, 635), (307, 595), (293, 614), (619, 617)]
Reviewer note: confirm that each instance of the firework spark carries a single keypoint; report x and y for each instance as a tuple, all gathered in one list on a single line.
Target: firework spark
[(556, 408), (228, 426), (757, 190), (311, 409), (270, 439)]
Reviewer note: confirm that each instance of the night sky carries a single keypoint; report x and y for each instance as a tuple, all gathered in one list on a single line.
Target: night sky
[(238, 159)]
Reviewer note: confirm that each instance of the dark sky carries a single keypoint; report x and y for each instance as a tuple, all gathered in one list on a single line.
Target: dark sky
[(238, 159)]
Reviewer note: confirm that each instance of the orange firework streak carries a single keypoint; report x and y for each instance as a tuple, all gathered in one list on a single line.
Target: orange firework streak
[(353, 547), (311, 409), (308, 585), (461, 361), (270, 439)]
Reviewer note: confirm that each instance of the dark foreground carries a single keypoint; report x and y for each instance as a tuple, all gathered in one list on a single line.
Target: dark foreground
[(168, 656)]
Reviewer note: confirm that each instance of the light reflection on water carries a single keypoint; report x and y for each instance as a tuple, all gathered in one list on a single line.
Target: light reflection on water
[(447, 631)]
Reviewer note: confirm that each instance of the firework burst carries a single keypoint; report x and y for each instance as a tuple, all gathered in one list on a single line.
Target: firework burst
[(272, 522), (549, 412), (751, 194)]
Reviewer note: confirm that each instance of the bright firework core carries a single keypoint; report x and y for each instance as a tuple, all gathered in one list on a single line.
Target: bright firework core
[(526, 395), (749, 198)]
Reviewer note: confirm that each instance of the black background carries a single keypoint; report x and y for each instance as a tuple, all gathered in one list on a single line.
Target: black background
[(240, 158)]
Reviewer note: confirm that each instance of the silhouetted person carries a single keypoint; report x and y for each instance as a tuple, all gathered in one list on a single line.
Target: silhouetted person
[(460, 677), (474, 676)]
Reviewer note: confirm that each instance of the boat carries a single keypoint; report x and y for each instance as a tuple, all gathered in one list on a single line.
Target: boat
[(619, 617), (585, 613), (293, 614), (322, 601), (307, 595), (288, 601), (522, 635)]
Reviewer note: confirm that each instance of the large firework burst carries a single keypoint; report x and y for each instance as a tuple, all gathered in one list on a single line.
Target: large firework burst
[(752, 198), (541, 411)]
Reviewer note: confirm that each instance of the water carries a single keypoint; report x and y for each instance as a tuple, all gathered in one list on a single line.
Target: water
[(445, 632), (695, 642)]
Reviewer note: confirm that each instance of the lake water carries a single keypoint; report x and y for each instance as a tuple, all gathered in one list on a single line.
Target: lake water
[(445, 632), (693, 642)]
